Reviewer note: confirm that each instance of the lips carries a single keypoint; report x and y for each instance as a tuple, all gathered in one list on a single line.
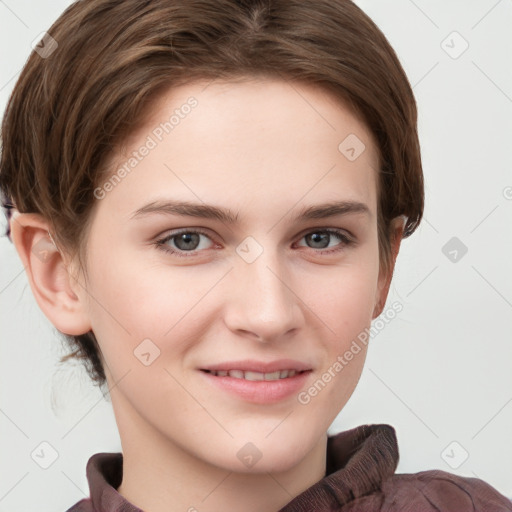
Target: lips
[(243, 386)]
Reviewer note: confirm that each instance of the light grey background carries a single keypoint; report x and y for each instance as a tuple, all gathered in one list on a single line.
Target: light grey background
[(440, 372)]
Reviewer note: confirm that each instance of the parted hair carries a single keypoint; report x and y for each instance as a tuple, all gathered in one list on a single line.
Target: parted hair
[(70, 109)]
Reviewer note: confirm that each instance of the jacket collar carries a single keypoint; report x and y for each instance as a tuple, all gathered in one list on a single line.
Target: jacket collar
[(358, 461)]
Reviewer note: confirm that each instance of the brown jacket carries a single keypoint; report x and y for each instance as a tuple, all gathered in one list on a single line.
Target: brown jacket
[(360, 477)]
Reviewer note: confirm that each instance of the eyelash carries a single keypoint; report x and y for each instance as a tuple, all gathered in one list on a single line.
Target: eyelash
[(161, 243)]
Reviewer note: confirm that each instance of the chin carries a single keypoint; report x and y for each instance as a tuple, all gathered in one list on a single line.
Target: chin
[(268, 455), (270, 464)]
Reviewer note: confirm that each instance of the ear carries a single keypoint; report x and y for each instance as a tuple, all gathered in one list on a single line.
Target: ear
[(384, 280), (48, 275)]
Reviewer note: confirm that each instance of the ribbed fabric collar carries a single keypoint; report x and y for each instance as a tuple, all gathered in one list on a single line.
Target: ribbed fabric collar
[(357, 462)]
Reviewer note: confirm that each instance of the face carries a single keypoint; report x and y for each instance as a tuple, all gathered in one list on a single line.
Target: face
[(172, 291)]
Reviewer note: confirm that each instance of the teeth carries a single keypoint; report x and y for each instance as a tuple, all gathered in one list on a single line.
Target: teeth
[(253, 375), (248, 375)]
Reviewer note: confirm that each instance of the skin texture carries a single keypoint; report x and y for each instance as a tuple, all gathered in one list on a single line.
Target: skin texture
[(264, 149)]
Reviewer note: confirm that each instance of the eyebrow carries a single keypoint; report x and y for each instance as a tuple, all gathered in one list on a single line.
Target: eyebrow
[(206, 211)]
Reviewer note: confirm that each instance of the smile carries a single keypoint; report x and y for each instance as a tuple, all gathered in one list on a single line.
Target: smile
[(254, 376)]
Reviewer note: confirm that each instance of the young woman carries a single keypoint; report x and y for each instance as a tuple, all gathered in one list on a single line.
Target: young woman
[(209, 197)]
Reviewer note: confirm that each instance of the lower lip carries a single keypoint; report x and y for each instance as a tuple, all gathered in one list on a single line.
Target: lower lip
[(260, 391)]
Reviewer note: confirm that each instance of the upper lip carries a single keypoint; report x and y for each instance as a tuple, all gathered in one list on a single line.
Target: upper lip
[(252, 365)]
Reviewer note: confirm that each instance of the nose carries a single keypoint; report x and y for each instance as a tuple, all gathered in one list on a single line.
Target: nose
[(262, 303)]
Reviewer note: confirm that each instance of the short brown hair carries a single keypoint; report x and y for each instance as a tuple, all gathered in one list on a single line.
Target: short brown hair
[(68, 111)]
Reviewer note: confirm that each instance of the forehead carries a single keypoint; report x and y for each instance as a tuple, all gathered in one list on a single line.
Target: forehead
[(254, 142)]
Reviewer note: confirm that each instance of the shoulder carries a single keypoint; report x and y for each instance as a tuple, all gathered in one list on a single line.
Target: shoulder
[(446, 491), (433, 490)]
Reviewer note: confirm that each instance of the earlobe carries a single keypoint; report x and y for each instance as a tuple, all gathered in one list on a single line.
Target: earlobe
[(47, 273), (398, 226)]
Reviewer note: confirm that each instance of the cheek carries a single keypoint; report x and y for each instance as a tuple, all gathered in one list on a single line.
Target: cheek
[(132, 300), (341, 304), (341, 296)]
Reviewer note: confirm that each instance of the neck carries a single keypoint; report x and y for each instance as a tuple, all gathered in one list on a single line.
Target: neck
[(160, 476)]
